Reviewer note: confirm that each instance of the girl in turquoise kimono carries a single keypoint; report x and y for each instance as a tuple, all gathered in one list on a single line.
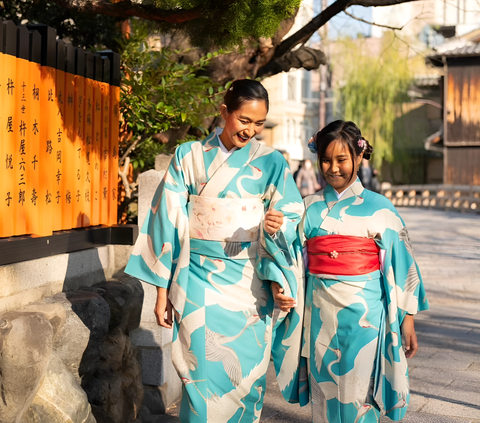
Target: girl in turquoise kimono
[(207, 245), (363, 290)]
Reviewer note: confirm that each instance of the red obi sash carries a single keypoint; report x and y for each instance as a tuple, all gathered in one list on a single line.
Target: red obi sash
[(342, 255)]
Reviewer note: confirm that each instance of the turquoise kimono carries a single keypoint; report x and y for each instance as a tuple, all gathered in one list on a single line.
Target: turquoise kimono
[(196, 242), (357, 368)]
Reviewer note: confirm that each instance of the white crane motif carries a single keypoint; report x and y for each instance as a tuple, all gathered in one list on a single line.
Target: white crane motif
[(216, 350), (222, 409)]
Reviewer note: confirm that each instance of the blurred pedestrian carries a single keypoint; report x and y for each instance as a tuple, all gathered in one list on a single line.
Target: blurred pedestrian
[(307, 179)]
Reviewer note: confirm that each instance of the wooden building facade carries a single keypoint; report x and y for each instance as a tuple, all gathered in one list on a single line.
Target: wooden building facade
[(461, 114)]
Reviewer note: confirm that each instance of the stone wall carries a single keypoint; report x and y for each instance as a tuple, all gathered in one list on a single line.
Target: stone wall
[(154, 343), (29, 281)]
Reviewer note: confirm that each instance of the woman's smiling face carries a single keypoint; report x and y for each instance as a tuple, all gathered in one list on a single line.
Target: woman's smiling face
[(338, 168), (243, 124)]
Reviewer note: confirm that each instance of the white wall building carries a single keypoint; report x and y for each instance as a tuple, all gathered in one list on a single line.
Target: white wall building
[(294, 102), (416, 15)]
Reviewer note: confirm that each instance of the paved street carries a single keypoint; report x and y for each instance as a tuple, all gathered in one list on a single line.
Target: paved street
[(445, 374)]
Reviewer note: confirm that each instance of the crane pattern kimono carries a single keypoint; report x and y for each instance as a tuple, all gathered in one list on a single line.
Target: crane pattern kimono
[(220, 289), (352, 339)]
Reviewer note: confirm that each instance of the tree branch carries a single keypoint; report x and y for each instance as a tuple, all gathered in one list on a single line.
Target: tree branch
[(303, 34), (373, 23), (129, 149), (127, 8)]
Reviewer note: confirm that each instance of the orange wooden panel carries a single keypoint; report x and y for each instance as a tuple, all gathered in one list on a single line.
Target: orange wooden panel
[(59, 151), (47, 155), (96, 152), (105, 156), (69, 153), (3, 168), (114, 138), (36, 127), (88, 145), (10, 190), (23, 139), (80, 151)]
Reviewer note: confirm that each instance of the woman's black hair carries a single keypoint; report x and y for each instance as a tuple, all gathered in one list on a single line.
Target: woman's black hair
[(243, 90), (346, 132)]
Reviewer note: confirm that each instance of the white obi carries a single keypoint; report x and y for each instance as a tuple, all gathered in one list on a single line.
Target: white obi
[(225, 219)]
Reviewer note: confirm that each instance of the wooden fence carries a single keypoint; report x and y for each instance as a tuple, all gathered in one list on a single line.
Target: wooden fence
[(59, 118), (455, 197)]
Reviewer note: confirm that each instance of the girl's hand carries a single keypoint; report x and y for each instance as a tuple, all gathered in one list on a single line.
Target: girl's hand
[(409, 336), (285, 303), (163, 306), (273, 221)]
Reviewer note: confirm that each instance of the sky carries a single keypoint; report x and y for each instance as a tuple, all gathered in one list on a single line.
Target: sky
[(343, 25)]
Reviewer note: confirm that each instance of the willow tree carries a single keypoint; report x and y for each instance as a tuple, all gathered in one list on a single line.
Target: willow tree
[(372, 87)]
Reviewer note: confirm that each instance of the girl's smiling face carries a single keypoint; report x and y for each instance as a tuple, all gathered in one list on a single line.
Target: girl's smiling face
[(243, 124), (338, 167)]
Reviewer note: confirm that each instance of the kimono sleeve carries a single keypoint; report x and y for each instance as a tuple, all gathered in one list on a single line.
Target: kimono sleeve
[(277, 258), (155, 254), (404, 283)]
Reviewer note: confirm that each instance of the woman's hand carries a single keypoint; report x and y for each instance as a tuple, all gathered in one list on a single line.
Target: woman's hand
[(273, 221), (285, 303), (162, 307), (409, 336)]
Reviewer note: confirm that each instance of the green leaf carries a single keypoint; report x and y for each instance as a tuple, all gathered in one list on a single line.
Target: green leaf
[(184, 117)]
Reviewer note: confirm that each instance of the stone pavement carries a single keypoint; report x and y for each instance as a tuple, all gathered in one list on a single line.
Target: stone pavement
[(445, 374)]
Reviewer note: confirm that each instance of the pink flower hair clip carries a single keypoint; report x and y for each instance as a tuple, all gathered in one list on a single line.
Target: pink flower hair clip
[(362, 144)]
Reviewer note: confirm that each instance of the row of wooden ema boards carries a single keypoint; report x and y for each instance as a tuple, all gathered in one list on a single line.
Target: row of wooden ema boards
[(59, 126)]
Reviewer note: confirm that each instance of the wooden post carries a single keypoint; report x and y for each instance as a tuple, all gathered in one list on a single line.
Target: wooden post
[(35, 225), (68, 200), (113, 134), (96, 139), (60, 139), (89, 109), (79, 133), (12, 192), (104, 135), (48, 111), (26, 206)]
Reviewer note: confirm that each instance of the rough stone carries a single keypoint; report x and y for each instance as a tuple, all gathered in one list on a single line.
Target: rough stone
[(26, 341), (60, 399), (72, 339), (53, 312), (125, 300), (94, 312), (116, 393)]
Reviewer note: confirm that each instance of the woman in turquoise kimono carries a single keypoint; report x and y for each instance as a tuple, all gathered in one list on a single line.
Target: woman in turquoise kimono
[(207, 246), (363, 290)]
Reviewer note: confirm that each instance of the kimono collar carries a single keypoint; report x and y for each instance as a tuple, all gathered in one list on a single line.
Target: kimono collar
[(331, 199), (213, 141)]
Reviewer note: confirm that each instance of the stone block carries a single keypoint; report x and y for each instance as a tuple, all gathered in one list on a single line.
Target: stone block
[(151, 335), (151, 360), (147, 185), (162, 161)]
